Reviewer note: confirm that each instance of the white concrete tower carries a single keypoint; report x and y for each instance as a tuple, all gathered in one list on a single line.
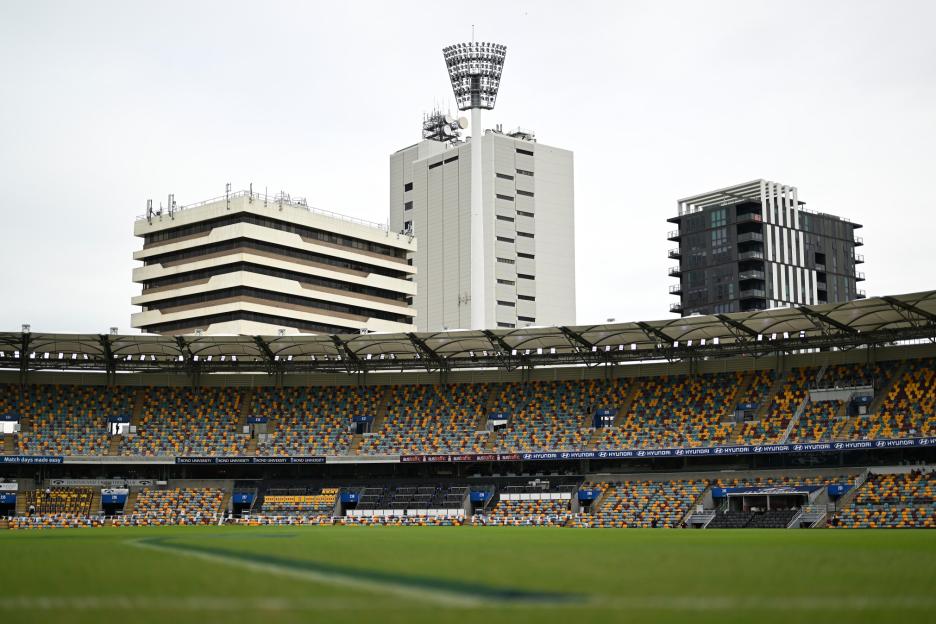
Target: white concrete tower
[(475, 71)]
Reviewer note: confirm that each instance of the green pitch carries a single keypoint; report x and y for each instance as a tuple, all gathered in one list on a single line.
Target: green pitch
[(415, 575)]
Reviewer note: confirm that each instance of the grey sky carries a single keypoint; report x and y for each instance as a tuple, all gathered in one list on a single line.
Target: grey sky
[(106, 104)]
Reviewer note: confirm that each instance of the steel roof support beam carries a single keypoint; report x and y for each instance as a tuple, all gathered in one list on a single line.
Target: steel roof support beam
[(822, 318), (909, 307), (110, 362), (350, 356), (426, 352), (576, 338)]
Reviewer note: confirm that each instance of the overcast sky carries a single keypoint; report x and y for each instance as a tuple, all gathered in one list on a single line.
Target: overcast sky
[(106, 104)]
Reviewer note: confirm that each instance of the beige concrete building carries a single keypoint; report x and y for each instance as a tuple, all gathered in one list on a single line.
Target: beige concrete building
[(528, 225), (249, 264)]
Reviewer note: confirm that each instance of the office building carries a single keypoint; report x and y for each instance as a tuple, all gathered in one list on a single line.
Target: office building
[(249, 264)]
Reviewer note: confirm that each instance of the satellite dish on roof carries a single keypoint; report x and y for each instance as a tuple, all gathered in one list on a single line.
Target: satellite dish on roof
[(462, 122)]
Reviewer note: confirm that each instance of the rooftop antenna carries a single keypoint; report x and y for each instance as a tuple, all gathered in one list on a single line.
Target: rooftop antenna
[(227, 195), (172, 205), (149, 211)]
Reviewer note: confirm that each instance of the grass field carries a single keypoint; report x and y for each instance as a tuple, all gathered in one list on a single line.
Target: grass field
[(415, 575)]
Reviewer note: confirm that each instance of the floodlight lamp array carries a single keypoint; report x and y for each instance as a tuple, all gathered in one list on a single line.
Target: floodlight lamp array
[(475, 71)]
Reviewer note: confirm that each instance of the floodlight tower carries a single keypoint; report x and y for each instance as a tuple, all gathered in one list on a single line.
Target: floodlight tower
[(475, 71)]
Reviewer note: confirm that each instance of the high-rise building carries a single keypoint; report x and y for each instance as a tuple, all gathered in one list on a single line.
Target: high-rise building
[(528, 249), (755, 246), (244, 263)]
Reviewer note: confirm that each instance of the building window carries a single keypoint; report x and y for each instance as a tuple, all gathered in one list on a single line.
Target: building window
[(407, 226), (524, 152), (507, 282), (524, 172), (507, 304), (526, 297), (434, 165), (525, 234), (508, 325), (505, 176), (719, 217), (503, 218), (452, 159), (720, 240), (524, 213), (407, 205), (525, 276), (408, 187), (527, 319), (505, 197), (526, 255), (506, 261), (505, 239), (526, 193)]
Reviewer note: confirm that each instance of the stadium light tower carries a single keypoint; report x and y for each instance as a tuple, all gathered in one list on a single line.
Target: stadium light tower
[(475, 71)]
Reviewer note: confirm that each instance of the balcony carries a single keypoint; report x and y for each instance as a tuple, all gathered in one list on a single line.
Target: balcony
[(751, 255), (673, 235), (751, 237), (859, 259), (859, 241), (676, 308), (750, 217), (751, 275), (754, 293), (862, 295), (860, 277), (674, 254), (675, 290), (675, 271)]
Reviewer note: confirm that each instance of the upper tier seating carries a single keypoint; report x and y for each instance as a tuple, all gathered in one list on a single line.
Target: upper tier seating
[(676, 411), (65, 420), (182, 421), (312, 421), (770, 428), (549, 415), (909, 408), (428, 419), (892, 501)]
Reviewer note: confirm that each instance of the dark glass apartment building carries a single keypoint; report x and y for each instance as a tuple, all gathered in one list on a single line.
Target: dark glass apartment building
[(755, 246)]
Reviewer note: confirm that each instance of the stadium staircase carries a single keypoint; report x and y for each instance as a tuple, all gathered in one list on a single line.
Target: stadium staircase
[(743, 388), (481, 423), (625, 407), (493, 441), (9, 444), (767, 401), (131, 501), (245, 408), (794, 422), (21, 505), (357, 440), (225, 505), (382, 410), (94, 507), (138, 398), (113, 447), (4, 524)]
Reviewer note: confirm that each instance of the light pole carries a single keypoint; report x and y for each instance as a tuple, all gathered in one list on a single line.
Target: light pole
[(475, 71)]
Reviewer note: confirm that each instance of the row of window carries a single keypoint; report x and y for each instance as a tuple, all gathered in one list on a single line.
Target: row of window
[(275, 224), (250, 267), (269, 295), (247, 244), (187, 325)]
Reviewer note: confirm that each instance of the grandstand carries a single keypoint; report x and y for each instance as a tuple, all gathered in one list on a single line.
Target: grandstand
[(568, 427)]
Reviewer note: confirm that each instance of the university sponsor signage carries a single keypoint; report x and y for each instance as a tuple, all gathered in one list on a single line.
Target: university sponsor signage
[(250, 460)]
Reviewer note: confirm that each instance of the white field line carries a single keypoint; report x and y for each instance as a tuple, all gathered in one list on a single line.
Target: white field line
[(437, 596)]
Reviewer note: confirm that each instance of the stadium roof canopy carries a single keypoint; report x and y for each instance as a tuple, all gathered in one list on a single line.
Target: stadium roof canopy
[(860, 323)]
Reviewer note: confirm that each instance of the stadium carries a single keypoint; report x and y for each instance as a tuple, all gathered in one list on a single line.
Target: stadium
[(467, 442)]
